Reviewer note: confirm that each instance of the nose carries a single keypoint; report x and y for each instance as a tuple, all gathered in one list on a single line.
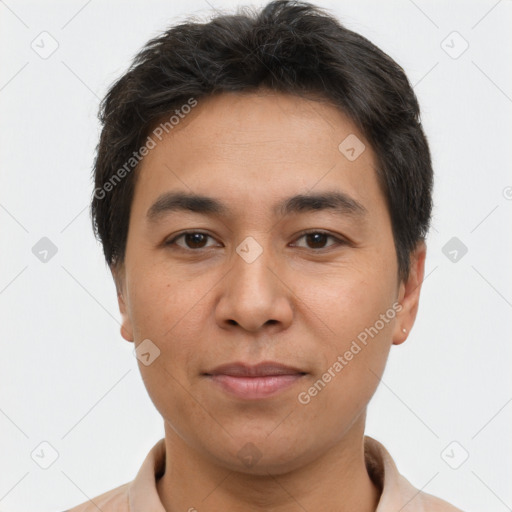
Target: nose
[(255, 295)]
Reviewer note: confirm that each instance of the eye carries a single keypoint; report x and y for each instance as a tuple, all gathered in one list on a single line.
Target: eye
[(195, 240), (192, 240), (318, 239)]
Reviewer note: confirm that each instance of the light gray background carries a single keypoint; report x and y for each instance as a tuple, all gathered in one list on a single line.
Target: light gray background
[(67, 376)]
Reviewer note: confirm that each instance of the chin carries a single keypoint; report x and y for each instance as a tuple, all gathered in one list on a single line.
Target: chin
[(258, 455)]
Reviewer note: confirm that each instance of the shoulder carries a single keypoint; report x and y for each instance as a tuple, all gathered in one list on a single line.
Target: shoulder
[(434, 504), (416, 500), (115, 500), (138, 494), (397, 493)]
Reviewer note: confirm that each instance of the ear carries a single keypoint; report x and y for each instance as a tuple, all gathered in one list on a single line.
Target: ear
[(126, 324), (409, 294)]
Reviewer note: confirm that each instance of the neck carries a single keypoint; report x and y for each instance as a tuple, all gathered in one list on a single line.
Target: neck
[(335, 480)]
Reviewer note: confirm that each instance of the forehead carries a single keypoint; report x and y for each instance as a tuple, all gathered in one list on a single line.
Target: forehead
[(263, 120), (261, 146)]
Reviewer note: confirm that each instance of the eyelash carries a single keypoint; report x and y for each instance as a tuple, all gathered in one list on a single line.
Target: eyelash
[(338, 241)]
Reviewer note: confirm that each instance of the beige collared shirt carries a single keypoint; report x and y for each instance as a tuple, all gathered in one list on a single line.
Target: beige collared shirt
[(140, 495)]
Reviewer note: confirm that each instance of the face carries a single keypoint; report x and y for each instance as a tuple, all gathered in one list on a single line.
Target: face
[(251, 274)]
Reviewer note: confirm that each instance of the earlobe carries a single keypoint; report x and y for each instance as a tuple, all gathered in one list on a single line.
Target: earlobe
[(409, 295), (126, 334), (126, 326)]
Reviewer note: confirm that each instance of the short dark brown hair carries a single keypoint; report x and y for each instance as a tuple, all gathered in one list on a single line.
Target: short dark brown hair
[(289, 46)]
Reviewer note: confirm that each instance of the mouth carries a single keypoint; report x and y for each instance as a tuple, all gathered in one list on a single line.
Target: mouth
[(252, 382)]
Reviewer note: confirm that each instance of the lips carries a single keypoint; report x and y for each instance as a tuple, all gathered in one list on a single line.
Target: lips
[(264, 369), (254, 382)]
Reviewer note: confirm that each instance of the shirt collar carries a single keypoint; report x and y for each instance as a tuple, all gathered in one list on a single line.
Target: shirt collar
[(396, 491)]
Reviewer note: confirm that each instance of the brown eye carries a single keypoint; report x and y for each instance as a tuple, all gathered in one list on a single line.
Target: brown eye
[(318, 240), (192, 240), (195, 240)]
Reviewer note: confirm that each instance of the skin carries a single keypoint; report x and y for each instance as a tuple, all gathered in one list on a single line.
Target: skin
[(300, 302)]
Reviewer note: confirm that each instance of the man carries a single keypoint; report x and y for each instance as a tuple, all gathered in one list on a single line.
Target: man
[(263, 194)]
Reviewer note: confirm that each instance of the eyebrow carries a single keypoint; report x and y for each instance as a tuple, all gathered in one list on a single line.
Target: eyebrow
[(335, 201)]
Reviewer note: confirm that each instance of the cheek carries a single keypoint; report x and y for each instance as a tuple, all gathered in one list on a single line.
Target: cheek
[(352, 364), (358, 311), (161, 302), (170, 311), (168, 389), (348, 301)]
